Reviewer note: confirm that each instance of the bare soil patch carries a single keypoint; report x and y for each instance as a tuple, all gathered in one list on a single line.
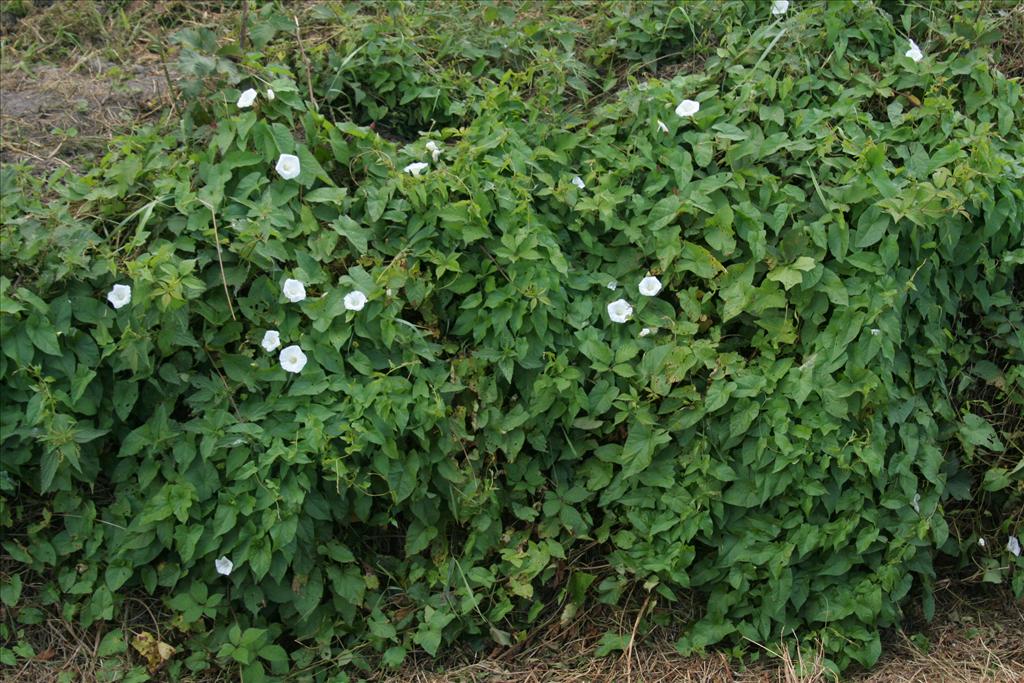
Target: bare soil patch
[(67, 114)]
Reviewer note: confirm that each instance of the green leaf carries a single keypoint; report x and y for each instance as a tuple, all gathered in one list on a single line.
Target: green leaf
[(43, 336), (327, 195), (48, 469), (117, 576), (113, 643), (663, 213), (611, 642), (10, 591), (792, 274), (639, 448), (308, 598)]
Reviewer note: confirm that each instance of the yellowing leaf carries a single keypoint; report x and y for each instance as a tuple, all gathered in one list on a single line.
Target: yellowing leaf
[(155, 651)]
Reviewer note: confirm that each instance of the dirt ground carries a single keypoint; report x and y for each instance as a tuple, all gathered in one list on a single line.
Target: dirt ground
[(61, 115)]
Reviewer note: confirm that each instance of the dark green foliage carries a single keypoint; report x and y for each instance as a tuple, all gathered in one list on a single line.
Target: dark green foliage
[(838, 231)]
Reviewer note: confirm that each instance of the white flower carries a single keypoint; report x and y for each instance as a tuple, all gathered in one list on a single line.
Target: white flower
[(416, 168), (662, 127), (434, 149), (288, 166), (613, 285), (915, 52), (223, 565), (916, 503), (355, 300), (875, 332), (271, 340), (270, 94), (780, 7), (578, 182), (246, 98), (687, 108), (646, 331), (389, 291), (119, 295), (650, 286), (620, 311), (1013, 545), (294, 290), (292, 358), (981, 542)]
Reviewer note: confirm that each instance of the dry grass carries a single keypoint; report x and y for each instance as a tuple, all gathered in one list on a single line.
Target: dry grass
[(67, 116), (75, 73), (1011, 46), (978, 637)]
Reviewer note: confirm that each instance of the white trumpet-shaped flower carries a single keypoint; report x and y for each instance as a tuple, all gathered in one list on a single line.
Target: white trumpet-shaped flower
[(271, 340), (246, 99), (780, 7), (223, 565), (434, 149), (687, 108), (646, 331), (288, 166), (578, 182), (915, 52), (119, 295), (416, 168), (355, 300), (294, 290), (292, 359), (650, 286), (619, 311), (270, 94), (662, 127), (1013, 545)]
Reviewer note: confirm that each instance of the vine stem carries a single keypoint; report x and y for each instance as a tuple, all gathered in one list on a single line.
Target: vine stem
[(220, 258)]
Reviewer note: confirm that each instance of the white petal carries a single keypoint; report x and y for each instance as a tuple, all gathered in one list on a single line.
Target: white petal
[(294, 290), (288, 166), (646, 331), (578, 182), (416, 168), (223, 565), (270, 94), (271, 340), (914, 52), (119, 295), (619, 311), (1013, 545), (434, 149), (650, 286), (613, 285), (246, 98), (355, 300), (662, 127), (687, 108), (780, 7), (292, 359)]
